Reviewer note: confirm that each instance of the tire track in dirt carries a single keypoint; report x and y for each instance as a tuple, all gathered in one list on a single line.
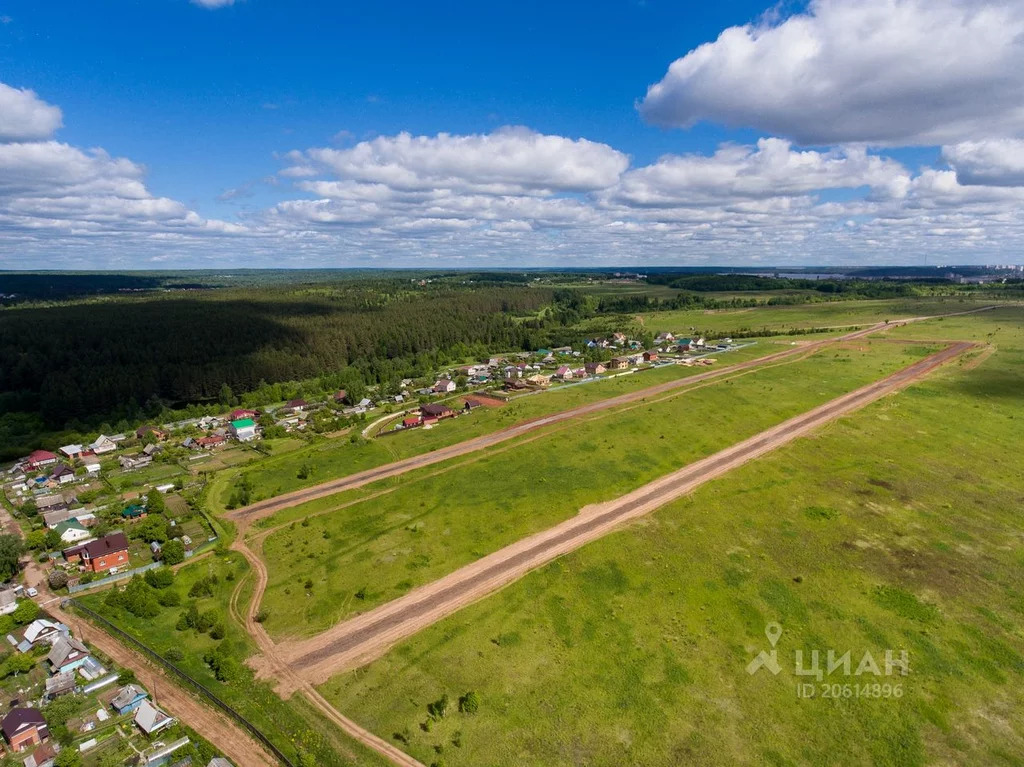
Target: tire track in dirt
[(368, 636)]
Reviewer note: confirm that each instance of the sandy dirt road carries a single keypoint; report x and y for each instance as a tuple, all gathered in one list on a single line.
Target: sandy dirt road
[(249, 514), (223, 733), (368, 636)]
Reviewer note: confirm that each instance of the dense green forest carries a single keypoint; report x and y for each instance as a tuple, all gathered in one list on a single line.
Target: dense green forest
[(80, 364)]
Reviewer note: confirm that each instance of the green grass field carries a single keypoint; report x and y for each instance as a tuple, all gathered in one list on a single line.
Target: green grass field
[(332, 458), (783, 318), (897, 527), (331, 566)]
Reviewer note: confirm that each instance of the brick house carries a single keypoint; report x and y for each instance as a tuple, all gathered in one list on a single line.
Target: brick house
[(102, 554), (24, 728)]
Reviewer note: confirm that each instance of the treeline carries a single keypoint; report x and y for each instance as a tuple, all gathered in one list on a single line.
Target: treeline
[(80, 364), (707, 283)]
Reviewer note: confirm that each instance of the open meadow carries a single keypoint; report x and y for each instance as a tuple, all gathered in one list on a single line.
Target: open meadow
[(332, 458), (424, 524), (896, 528)]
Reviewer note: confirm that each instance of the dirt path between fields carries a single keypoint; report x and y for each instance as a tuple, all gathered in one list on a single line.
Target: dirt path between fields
[(249, 514), (224, 734), (366, 637)]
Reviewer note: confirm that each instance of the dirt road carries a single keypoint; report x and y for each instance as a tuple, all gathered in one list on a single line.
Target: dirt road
[(368, 636), (255, 511), (224, 734)]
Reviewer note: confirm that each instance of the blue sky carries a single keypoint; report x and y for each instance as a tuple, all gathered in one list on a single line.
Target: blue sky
[(206, 103)]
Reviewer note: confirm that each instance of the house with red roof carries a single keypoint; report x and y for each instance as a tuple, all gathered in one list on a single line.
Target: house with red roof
[(101, 554), (39, 458)]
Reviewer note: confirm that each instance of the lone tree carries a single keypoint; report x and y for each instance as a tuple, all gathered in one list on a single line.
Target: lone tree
[(11, 548)]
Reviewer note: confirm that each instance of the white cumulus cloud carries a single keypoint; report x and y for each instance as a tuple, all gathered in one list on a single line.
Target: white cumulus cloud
[(992, 162), (26, 117), (882, 72)]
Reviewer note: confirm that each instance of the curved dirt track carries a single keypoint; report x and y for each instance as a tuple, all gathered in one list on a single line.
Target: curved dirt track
[(290, 682), (368, 636)]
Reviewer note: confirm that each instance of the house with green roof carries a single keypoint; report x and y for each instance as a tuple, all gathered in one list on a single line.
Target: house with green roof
[(244, 429), (135, 511), (72, 531)]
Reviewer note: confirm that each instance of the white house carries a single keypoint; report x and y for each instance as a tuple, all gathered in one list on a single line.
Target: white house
[(72, 531), (8, 601), (444, 386), (103, 444), (150, 719), (244, 429)]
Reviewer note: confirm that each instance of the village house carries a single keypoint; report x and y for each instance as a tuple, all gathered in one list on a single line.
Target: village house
[(650, 356), (594, 368), (340, 396), (55, 502), (128, 698), (432, 413), (244, 429), (8, 601), (39, 631), (24, 728), (411, 422), (241, 413), (37, 459), (664, 338), (471, 404), (132, 462), (60, 684), (444, 386), (67, 655), (618, 363), (619, 338), (296, 405), (63, 474), (210, 442), (149, 430), (71, 531), (514, 384), (100, 555), (564, 373), (133, 512), (150, 719), (71, 451), (54, 514), (103, 444), (91, 463)]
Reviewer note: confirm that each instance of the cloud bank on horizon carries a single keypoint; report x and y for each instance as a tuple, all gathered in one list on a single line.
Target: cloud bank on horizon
[(833, 91)]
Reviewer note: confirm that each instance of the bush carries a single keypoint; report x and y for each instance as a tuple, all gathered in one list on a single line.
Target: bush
[(26, 612), (469, 703), (160, 578), (168, 598), (57, 579), (173, 552), (203, 587), (174, 655), (224, 667), (439, 708), (218, 631)]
